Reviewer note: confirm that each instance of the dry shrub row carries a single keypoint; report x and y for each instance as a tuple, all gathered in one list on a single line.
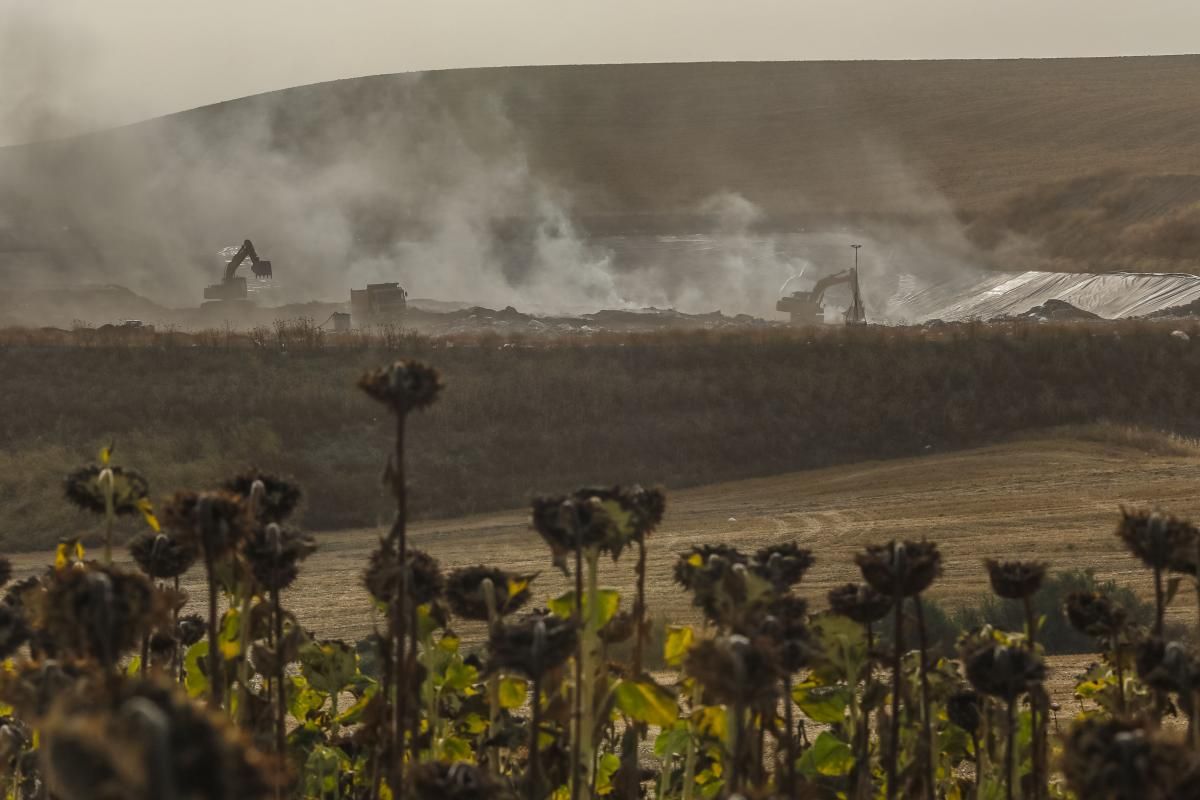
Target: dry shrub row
[(677, 409)]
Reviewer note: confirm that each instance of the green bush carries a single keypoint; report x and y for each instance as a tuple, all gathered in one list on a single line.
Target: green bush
[(1056, 634), (943, 625)]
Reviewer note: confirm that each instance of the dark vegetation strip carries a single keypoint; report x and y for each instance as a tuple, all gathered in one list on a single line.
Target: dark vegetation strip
[(673, 409)]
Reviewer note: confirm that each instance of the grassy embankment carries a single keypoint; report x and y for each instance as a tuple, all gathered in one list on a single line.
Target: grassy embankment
[(678, 409)]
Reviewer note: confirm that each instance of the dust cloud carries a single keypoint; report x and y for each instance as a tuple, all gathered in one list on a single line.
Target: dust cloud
[(395, 179)]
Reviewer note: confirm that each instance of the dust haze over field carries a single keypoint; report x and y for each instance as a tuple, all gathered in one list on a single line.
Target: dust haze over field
[(442, 197), (698, 186)]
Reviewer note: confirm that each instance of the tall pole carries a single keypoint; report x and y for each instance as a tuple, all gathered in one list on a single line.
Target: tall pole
[(857, 308)]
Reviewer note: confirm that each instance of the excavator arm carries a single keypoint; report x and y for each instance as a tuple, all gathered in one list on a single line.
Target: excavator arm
[(806, 308), (818, 290), (261, 268)]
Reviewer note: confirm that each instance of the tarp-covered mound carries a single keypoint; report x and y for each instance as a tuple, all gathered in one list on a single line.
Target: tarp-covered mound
[(991, 295)]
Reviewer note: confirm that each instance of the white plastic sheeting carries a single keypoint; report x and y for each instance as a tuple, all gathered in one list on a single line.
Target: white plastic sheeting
[(995, 294)]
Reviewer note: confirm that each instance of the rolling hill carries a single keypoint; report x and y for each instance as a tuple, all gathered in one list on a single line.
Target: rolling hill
[(491, 179)]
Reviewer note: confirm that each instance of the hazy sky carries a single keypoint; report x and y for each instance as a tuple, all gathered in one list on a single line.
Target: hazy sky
[(68, 65)]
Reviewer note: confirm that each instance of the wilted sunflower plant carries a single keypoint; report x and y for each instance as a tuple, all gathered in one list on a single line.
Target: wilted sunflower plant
[(474, 687)]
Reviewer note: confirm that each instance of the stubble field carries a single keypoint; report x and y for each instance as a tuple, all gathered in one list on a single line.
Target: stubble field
[(1053, 498)]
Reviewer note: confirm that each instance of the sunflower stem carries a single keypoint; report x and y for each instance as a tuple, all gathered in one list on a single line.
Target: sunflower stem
[(689, 762), (975, 760), (381, 748), (243, 659), (1120, 679), (577, 698), (1036, 719), (107, 480), (897, 655), (280, 689), (177, 653), (630, 766), (789, 739), (535, 761), (398, 538), (588, 647), (1159, 601), (108, 532), (488, 589), (414, 729), (1009, 760), (214, 647), (926, 718), (736, 735)]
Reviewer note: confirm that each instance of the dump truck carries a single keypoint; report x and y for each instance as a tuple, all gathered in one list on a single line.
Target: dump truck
[(378, 303), (807, 308), (232, 286)]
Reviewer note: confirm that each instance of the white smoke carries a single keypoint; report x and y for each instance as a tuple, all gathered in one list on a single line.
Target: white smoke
[(392, 179)]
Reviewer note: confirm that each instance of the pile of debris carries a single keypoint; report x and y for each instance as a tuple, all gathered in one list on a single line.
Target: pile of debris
[(1057, 311), (1185, 311), (509, 320)]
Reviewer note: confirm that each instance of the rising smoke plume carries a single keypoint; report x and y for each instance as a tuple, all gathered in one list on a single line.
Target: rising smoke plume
[(433, 183)]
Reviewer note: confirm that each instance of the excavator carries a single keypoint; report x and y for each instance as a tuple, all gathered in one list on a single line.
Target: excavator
[(805, 308), (232, 287)]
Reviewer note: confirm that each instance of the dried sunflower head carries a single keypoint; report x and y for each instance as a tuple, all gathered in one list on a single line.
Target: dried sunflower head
[(15, 595), (15, 738), (1159, 540), (531, 645), (785, 626), (783, 565), (403, 386), (619, 628), (965, 709), (609, 519), (733, 669), (900, 568), (466, 594), (441, 780), (32, 686), (141, 740), (278, 498), (274, 553), (1003, 671), (1094, 614), (859, 602), (190, 628), (162, 648), (1015, 580), (87, 488), (14, 630), (212, 522), (1117, 759), (1167, 666), (384, 572), (162, 556), (696, 559), (99, 611), (723, 586)]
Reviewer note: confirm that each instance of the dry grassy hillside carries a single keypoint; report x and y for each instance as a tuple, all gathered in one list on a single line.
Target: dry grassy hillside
[(335, 173)]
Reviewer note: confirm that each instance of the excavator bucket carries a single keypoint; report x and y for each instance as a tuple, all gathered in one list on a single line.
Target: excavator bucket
[(262, 269)]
